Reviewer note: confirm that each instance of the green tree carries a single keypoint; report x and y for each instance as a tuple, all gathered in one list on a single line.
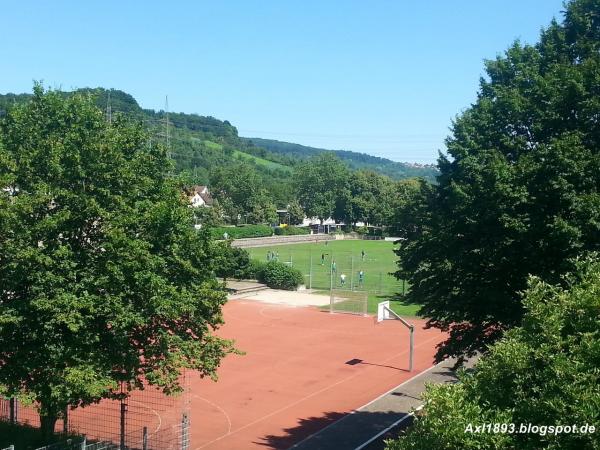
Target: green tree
[(231, 262), (518, 193), (296, 213), (239, 189), (544, 373), (321, 185), (372, 198), (103, 279)]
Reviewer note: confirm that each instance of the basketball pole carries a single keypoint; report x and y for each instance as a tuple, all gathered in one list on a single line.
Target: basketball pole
[(383, 309), (412, 348)]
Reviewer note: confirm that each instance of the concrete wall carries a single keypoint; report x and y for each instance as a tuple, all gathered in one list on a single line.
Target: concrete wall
[(280, 240)]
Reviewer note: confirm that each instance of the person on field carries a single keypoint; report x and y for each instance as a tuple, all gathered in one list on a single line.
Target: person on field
[(362, 254), (322, 259), (361, 278), (333, 267), (343, 279)]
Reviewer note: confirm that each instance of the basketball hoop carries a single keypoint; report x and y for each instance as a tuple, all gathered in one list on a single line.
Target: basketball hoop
[(385, 313)]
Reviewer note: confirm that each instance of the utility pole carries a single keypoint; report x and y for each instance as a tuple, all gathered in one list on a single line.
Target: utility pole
[(108, 109), (167, 125)]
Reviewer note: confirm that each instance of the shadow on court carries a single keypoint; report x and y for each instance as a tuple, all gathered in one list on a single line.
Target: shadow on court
[(356, 361), (363, 423)]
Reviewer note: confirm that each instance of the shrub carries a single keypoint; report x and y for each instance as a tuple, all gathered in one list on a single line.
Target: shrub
[(277, 275), (246, 231), (362, 230), (291, 231), (254, 269)]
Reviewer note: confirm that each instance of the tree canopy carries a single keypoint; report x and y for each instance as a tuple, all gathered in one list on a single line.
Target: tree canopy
[(103, 279), (518, 192), (544, 374)]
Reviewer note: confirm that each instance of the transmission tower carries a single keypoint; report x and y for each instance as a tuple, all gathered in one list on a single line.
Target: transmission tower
[(167, 125), (108, 109)]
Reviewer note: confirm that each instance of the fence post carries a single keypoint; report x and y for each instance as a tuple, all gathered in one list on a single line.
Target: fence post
[(84, 443), (310, 273), (122, 440), (330, 276), (145, 439), (185, 424), (352, 273), (66, 420), (12, 405)]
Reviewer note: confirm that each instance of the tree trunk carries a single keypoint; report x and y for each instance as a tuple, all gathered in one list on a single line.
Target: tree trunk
[(47, 424)]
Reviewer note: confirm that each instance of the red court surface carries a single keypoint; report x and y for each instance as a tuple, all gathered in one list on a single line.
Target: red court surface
[(294, 378)]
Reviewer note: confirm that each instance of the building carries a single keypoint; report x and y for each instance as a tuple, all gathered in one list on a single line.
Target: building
[(199, 196)]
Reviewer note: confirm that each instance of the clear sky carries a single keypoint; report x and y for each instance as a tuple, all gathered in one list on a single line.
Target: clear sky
[(382, 77)]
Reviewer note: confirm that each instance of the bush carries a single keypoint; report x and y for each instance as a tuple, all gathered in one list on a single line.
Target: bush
[(246, 231), (291, 231), (277, 275), (231, 262), (254, 269), (362, 230)]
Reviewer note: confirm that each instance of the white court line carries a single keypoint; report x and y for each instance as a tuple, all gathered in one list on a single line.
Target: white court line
[(367, 404), (312, 395), (221, 410), (155, 413), (396, 423)]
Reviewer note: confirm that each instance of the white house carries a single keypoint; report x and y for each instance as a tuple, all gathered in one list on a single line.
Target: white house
[(199, 196)]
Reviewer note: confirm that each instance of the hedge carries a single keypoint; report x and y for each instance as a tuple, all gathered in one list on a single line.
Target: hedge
[(245, 231), (277, 275), (291, 231)]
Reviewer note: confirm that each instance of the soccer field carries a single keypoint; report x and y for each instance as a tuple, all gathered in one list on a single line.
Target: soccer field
[(315, 261)]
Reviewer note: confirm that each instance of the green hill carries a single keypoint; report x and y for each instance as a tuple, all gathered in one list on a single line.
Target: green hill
[(202, 145), (200, 142), (384, 166)]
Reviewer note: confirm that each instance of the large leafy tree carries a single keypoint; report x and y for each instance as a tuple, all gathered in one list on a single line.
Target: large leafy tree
[(322, 186), (544, 373), (240, 190), (518, 193), (103, 280), (372, 198)]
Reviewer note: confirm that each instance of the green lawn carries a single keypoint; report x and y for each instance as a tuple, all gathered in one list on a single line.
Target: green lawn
[(261, 161), (378, 262)]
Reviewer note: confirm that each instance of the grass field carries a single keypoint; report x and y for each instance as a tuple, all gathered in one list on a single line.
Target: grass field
[(261, 161), (378, 262)]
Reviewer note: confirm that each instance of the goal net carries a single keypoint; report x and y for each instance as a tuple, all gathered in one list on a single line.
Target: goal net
[(350, 302)]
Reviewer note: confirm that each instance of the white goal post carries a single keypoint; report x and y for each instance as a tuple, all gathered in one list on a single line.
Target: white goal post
[(384, 312), (349, 302)]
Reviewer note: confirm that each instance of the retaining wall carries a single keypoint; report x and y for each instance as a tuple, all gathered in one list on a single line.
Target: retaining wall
[(280, 240)]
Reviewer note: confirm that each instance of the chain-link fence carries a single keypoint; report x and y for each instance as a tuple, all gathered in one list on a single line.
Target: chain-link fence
[(329, 269), (147, 420)]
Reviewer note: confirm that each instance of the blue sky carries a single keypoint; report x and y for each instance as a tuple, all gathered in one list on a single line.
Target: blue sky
[(381, 77)]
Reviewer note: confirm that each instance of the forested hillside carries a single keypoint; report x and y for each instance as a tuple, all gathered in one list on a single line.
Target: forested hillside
[(355, 160), (250, 178), (200, 142)]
